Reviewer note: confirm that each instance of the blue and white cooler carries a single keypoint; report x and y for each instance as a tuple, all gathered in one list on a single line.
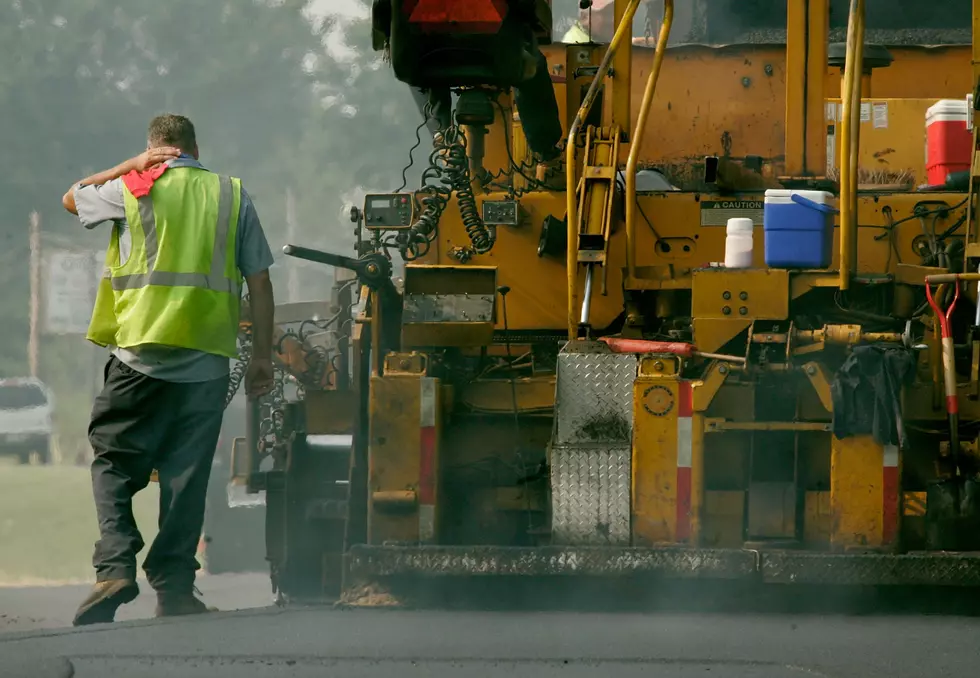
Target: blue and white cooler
[(799, 228)]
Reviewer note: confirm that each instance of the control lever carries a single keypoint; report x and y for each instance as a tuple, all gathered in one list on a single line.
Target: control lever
[(372, 270)]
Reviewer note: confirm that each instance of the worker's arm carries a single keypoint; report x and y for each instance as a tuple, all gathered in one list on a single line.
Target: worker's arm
[(263, 307), (259, 377), (140, 163), (254, 260)]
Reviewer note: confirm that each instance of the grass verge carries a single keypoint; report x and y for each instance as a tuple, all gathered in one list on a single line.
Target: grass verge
[(48, 526)]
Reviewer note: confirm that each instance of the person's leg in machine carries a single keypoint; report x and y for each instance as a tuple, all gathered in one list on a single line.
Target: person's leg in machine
[(540, 119), (541, 123), (436, 106), (129, 420), (184, 469)]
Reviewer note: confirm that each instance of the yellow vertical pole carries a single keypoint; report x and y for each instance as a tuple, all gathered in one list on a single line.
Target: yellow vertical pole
[(807, 31), (851, 97), (853, 152), (622, 67), (697, 478), (637, 140), (816, 75), (623, 29), (376, 352), (796, 87)]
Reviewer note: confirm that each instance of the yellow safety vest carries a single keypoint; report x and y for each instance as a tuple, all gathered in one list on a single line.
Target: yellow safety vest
[(576, 35), (180, 285)]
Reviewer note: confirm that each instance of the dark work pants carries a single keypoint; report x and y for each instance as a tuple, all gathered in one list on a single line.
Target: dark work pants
[(140, 424), (535, 100)]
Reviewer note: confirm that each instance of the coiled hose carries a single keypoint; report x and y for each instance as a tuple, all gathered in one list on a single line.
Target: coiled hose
[(480, 236), (448, 171)]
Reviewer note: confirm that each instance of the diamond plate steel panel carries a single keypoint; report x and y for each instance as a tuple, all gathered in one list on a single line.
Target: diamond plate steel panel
[(594, 399), (590, 488), (945, 569), (777, 568), (463, 561)]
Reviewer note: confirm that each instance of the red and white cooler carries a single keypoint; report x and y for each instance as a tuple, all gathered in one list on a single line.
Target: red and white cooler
[(949, 140)]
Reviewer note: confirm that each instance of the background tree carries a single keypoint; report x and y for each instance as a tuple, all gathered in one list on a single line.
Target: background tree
[(271, 103)]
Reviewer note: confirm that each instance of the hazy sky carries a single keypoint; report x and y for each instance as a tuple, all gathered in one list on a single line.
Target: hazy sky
[(337, 45), (351, 7)]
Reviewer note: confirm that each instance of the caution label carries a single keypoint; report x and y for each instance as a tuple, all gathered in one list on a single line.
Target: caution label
[(718, 212)]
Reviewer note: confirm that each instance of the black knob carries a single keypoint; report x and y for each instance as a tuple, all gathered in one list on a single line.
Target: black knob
[(503, 290)]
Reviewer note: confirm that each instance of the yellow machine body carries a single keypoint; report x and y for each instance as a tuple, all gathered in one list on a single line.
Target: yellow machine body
[(515, 443)]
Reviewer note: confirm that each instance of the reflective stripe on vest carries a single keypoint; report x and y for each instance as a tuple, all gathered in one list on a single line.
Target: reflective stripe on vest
[(215, 281)]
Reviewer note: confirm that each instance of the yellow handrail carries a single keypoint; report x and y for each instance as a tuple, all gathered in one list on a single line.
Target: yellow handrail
[(637, 140), (625, 28), (850, 139)]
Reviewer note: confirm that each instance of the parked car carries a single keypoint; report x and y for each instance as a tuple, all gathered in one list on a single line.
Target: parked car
[(26, 419)]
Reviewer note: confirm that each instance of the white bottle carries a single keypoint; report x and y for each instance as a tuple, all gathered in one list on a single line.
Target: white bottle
[(738, 244)]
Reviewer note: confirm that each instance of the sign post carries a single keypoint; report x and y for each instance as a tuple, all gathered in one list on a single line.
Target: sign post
[(35, 283)]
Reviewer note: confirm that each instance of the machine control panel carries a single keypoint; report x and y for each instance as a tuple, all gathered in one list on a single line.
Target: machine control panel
[(388, 211), (501, 213)]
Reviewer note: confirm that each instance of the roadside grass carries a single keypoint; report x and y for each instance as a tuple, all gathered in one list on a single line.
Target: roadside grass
[(48, 526)]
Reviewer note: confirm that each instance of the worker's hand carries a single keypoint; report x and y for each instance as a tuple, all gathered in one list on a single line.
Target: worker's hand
[(259, 378), (152, 157)]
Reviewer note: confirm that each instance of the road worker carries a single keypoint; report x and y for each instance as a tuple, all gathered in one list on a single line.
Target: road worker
[(183, 240), (595, 24)]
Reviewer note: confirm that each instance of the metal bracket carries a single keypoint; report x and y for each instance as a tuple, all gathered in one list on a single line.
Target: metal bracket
[(818, 378), (410, 364)]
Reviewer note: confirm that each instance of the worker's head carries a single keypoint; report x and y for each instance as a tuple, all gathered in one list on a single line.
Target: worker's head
[(603, 18), (172, 130)]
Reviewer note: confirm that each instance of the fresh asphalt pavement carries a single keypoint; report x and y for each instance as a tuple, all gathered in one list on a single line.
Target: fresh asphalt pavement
[(362, 643), (51, 607)]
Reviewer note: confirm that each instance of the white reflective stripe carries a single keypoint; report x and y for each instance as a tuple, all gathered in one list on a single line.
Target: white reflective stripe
[(149, 223), (427, 409), (225, 201), (214, 281), (685, 441), (169, 279), (891, 456)]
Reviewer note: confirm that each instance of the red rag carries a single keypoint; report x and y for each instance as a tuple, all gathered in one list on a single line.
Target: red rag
[(140, 183)]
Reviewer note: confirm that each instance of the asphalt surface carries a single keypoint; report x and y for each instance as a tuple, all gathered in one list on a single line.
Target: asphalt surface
[(52, 607), (366, 643)]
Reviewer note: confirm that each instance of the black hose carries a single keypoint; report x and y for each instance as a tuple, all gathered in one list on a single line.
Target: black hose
[(479, 235), (448, 171), (437, 186)]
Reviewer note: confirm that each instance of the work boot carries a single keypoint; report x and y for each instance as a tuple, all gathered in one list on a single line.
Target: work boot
[(101, 604), (550, 174), (181, 604)]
